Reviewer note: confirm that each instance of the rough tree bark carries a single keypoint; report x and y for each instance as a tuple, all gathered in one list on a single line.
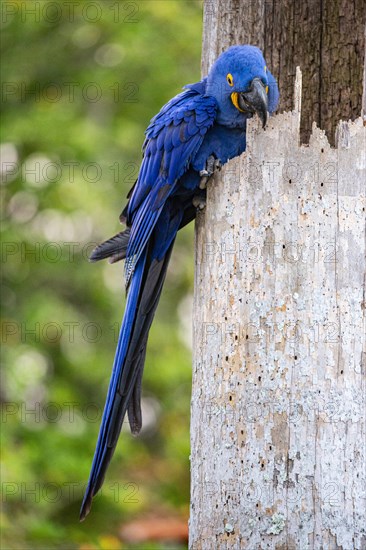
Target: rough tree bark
[(278, 401), (325, 37)]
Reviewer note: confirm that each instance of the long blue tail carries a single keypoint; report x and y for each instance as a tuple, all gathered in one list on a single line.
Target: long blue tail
[(125, 386)]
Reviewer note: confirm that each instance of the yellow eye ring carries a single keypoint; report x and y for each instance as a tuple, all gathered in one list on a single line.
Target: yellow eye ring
[(229, 78)]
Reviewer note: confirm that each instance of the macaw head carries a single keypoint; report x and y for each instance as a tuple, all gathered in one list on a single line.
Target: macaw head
[(242, 85)]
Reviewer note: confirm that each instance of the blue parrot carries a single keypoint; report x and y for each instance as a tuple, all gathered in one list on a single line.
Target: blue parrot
[(194, 134)]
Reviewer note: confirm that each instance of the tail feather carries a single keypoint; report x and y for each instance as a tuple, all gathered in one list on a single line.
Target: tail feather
[(124, 391), (134, 406), (114, 248)]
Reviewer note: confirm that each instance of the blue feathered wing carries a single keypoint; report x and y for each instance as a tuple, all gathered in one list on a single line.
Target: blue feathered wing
[(172, 139)]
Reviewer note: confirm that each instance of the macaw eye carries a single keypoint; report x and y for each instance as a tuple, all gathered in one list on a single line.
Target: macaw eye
[(230, 79)]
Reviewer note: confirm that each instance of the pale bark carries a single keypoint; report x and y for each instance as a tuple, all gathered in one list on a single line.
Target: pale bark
[(278, 399)]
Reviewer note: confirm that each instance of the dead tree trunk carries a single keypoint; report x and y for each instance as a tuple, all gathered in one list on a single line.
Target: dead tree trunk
[(278, 401)]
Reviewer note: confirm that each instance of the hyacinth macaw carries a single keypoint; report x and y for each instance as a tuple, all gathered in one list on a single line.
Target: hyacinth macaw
[(194, 133)]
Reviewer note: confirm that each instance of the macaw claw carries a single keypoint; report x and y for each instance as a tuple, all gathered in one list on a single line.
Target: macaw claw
[(199, 202), (212, 165)]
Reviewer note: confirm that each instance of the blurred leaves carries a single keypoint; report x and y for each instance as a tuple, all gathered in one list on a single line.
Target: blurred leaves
[(81, 81)]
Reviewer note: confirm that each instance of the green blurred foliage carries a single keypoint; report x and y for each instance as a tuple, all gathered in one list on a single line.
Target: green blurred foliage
[(80, 82)]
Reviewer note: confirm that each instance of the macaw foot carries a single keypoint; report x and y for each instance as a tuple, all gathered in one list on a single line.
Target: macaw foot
[(212, 165), (199, 202)]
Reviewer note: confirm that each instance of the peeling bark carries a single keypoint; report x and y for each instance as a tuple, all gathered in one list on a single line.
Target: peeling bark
[(278, 399)]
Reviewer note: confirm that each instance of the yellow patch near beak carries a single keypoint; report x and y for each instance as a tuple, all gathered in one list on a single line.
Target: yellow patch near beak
[(235, 99)]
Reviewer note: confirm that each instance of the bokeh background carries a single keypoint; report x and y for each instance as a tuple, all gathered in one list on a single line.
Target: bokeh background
[(80, 82)]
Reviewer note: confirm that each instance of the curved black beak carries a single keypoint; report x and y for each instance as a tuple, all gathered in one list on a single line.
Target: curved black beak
[(255, 100)]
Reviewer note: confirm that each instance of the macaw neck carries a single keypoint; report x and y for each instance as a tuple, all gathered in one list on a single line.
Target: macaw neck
[(230, 117), (227, 114)]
